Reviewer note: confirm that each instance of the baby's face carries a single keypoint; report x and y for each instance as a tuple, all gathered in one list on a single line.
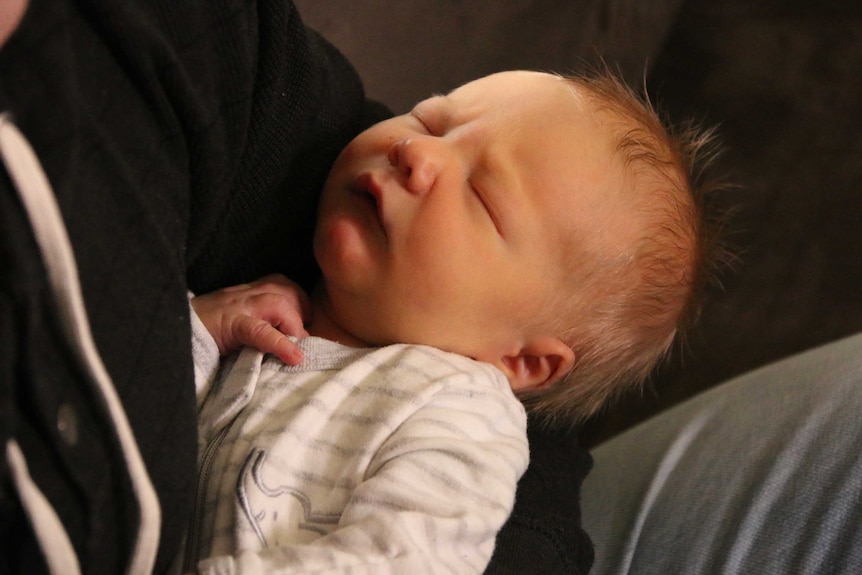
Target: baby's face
[(446, 226)]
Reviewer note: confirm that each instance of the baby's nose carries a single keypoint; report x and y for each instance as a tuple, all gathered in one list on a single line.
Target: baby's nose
[(416, 161)]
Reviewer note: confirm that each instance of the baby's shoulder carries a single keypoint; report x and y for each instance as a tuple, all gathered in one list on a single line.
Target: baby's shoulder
[(436, 363)]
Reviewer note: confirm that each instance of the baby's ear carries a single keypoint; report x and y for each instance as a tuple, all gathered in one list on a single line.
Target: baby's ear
[(540, 363)]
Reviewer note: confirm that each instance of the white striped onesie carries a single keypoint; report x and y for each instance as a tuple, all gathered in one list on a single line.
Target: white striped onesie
[(401, 459)]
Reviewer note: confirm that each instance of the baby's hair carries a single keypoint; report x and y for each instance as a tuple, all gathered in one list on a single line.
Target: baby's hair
[(632, 308)]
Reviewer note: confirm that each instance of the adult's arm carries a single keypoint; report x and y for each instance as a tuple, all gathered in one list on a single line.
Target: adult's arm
[(544, 532), (178, 138)]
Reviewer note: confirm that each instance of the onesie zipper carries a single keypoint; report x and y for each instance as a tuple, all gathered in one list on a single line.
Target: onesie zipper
[(193, 538)]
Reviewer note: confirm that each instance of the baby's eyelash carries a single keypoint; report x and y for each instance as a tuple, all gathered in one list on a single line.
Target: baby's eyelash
[(422, 121), (487, 207)]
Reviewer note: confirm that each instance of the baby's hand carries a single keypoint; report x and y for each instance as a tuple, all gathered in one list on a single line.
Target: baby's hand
[(259, 314)]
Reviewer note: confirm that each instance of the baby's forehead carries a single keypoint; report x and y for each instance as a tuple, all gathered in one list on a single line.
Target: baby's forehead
[(514, 90)]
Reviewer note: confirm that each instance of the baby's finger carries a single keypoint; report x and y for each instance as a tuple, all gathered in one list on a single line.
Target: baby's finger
[(287, 351), (280, 311), (278, 284), (290, 324), (259, 334)]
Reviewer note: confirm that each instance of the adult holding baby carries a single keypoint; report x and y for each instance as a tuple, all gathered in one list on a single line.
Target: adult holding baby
[(185, 146)]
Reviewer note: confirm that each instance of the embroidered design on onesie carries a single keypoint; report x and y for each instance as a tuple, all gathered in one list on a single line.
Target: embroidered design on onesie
[(278, 515)]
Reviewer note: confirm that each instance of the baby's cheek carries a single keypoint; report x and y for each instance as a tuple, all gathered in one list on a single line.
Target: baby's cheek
[(341, 240)]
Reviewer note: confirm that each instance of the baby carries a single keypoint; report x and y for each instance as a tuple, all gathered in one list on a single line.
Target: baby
[(527, 240)]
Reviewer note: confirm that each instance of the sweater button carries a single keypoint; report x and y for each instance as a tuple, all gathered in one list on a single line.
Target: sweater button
[(67, 424)]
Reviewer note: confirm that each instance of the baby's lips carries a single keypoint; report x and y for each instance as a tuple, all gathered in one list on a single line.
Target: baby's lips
[(370, 187)]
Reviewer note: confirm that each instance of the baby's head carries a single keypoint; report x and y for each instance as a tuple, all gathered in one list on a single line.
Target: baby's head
[(542, 224)]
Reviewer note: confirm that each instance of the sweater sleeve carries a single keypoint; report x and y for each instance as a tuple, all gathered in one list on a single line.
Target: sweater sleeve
[(435, 496)]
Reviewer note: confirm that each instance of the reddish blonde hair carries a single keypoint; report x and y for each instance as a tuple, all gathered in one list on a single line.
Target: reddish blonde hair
[(631, 310)]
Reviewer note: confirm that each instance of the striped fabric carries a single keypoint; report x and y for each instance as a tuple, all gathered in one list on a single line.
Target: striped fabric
[(401, 459)]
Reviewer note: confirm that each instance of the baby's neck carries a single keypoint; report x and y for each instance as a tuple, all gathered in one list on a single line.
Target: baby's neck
[(323, 323)]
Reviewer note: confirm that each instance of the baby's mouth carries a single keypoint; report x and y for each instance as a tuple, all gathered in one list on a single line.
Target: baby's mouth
[(369, 192), (362, 188)]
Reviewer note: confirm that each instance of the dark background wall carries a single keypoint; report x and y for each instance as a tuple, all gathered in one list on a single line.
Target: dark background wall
[(406, 50)]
